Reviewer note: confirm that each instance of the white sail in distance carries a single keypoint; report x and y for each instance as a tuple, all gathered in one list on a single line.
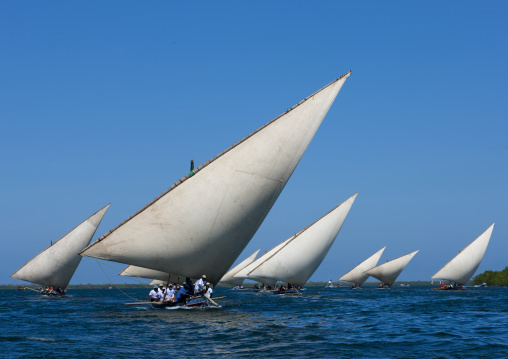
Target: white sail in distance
[(389, 271), (229, 277), (300, 255), (357, 275), (55, 265), (462, 267), (245, 272), (140, 272), (202, 223)]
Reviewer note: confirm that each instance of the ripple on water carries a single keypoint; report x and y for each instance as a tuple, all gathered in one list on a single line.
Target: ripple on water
[(321, 323)]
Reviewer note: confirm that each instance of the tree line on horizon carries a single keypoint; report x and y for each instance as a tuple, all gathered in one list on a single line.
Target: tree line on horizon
[(492, 278)]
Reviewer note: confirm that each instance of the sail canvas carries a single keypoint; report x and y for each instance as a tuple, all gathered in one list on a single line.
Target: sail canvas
[(389, 272), (297, 258), (55, 266), (462, 267), (140, 272), (202, 223), (357, 275), (229, 277)]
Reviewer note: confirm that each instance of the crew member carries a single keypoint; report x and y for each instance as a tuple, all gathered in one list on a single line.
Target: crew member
[(209, 290), (199, 286), (154, 294), (169, 295), (183, 293)]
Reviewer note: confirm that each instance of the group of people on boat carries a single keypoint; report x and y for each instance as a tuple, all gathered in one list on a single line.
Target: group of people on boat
[(178, 294), (290, 288), (52, 291), (258, 287), (450, 286), (278, 288)]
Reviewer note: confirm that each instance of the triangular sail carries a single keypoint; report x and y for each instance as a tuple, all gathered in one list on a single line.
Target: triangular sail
[(462, 267), (203, 222), (55, 266), (389, 271), (229, 277), (357, 275), (140, 272), (244, 273), (300, 256)]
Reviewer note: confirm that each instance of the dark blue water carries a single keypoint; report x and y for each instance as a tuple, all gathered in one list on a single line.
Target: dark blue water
[(409, 322)]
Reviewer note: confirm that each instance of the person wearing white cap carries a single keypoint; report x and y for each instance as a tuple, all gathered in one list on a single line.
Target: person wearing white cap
[(200, 284)]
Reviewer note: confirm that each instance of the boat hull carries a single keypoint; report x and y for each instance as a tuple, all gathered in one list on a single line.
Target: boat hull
[(287, 292), (191, 302), (448, 287)]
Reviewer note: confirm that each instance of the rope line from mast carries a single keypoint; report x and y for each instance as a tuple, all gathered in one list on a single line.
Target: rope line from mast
[(114, 283)]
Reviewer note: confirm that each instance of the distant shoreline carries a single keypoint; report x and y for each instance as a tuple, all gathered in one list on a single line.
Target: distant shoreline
[(247, 285)]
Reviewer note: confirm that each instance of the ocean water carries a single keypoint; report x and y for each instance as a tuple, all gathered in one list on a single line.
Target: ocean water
[(403, 322)]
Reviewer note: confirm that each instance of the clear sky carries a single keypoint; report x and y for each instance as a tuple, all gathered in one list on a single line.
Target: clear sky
[(107, 102)]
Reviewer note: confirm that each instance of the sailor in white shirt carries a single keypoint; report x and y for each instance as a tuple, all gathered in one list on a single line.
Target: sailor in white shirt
[(160, 293), (200, 284), (169, 295), (154, 294), (209, 290)]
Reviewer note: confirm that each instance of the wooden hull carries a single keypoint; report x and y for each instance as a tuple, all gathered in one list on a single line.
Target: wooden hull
[(451, 288), (191, 302), (53, 294), (288, 292)]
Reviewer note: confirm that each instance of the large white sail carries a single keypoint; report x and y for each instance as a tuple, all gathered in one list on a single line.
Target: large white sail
[(55, 265), (298, 258), (140, 272), (357, 275), (462, 267), (229, 277), (202, 223), (389, 271)]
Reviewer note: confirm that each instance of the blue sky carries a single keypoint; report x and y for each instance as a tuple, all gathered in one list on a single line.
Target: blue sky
[(107, 102)]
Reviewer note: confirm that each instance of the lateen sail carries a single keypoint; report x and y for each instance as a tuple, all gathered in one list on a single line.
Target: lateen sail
[(244, 273), (203, 222), (229, 276), (135, 271), (357, 275), (389, 271), (462, 267), (298, 258), (55, 266)]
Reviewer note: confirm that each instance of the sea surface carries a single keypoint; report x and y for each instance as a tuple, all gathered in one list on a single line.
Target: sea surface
[(403, 322)]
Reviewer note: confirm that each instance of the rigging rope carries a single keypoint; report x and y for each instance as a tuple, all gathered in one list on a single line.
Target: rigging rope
[(114, 283), (115, 268)]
